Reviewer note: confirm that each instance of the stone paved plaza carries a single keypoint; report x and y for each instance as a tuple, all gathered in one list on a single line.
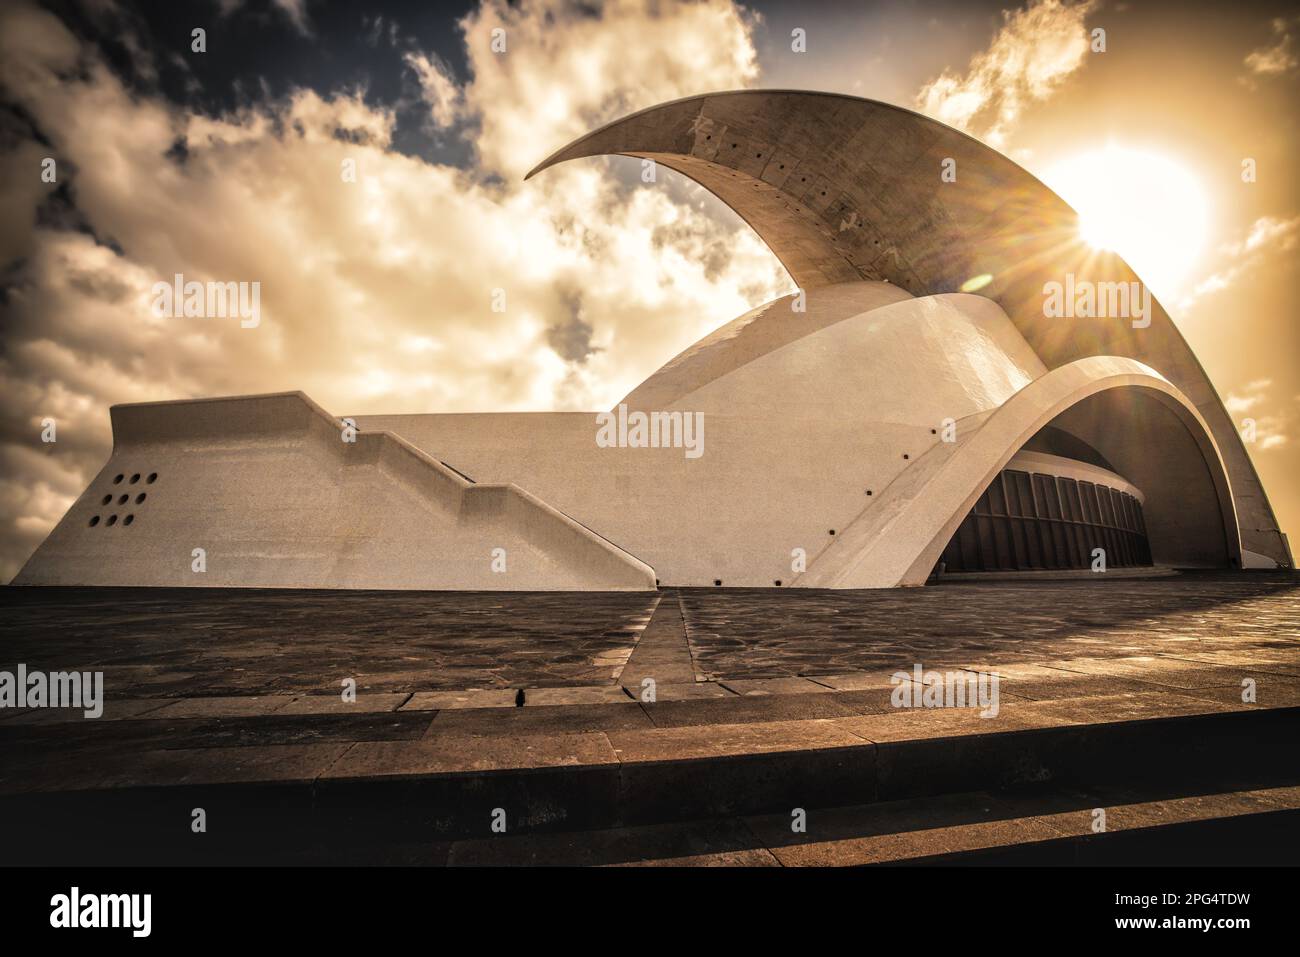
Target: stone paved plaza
[(202, 642), (770, 633), (765, 700)]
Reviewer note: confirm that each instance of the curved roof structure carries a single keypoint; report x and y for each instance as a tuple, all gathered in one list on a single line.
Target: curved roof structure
[(845, 189), (886, 423)]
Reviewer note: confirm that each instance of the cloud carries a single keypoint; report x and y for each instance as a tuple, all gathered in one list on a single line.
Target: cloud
[(1267, 236), (437, 88), (377, 294), (1262, 425), (1033, 53), (296, 11), (1280, 57), (568, 67)]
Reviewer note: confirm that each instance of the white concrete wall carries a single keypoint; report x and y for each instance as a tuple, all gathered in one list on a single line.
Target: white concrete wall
[(268, 488), (794, 438)]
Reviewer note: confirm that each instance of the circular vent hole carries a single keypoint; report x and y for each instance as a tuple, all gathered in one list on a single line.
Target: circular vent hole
[(107, 499), (153, 477), (139, 498), (118, 480), (94, 520), (135, 478), (112, 519), (128, 520)]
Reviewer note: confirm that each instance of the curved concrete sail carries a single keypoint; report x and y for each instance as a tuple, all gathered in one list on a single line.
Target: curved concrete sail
[(844, 189)]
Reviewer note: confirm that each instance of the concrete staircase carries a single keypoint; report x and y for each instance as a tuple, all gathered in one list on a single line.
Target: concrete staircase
[(1187, 781)]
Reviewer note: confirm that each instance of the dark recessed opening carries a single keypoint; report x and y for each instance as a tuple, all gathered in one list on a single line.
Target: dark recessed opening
[(717, 581), (832, 531), (777, 583), (121, 499), (107, 499), (934, 431), (734, 145), (153, 477), (118, 480), (782, 166), (868, 491), (758, 156), (906, 456), (128, 520), (135, 478), (112, 519), (139, 498), (94, 520)]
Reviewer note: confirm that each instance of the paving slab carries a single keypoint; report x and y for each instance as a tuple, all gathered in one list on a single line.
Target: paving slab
[(1107, 709), (597, 695), (1076, 685), (666, 744), (1271, 691), (552, 719), (115, 709), (857, 681), (454, 700), (335, 704), (465, 754), (744, 710), (770, 686), (687, 691), (278, 764), (232, 707)]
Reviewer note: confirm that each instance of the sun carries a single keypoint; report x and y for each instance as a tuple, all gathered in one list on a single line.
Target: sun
[(1144, 206)]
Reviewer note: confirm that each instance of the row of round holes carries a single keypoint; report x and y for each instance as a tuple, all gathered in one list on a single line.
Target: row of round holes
[(122, 500), (112, 520), (153, 477)]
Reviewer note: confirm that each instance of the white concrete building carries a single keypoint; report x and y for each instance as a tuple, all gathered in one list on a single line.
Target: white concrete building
[(879, 427)]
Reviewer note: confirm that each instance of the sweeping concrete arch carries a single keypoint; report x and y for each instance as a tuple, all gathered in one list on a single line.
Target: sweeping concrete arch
[(844, 189), (900, 538)]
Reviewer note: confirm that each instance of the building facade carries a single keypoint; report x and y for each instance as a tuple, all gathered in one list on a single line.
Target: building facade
[(959, 385)]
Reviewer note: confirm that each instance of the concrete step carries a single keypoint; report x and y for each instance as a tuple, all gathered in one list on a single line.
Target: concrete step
[(1043, 826), (341, 799)]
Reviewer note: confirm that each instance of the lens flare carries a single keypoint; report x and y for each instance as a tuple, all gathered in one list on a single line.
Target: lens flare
[(1144, 206)]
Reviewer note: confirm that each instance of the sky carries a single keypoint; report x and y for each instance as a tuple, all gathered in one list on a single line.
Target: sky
[(377, 292)]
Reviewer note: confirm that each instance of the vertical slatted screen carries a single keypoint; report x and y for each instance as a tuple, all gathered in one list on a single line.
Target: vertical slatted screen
[(1027, 521)]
